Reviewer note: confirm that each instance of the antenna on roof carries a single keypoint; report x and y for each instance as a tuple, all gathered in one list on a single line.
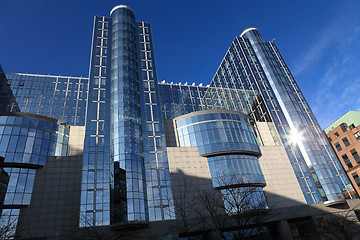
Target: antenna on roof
[(273, 39)]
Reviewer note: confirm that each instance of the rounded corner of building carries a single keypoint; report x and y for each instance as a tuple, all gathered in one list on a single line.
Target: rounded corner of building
[(120, 6), (247, 30)]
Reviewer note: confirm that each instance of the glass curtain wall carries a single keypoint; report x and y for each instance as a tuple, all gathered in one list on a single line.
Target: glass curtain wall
[(159, 193), (60, 97), (240, 69), (95, 189), (26, 141), (305, 130), (125, 117), (228, 142)]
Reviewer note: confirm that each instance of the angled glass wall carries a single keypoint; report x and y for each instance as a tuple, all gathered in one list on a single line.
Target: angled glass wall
[(159, 192), (305, 130), (60, 97), (7, 98), (241, 69), (95, 189), (177, 99)]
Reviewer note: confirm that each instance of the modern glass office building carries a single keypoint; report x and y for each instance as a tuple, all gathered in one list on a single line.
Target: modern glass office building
[(124, 123)]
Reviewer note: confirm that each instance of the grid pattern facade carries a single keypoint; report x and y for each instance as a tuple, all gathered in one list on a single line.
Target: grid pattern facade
[(30, 141), (7, 98), (177, 99), (217, 132), (312, 143), (241, 69), (159, 193), (95, 189), (62, 98)]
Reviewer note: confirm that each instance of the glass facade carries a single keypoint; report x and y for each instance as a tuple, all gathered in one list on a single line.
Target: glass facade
[(27, 140), (95, 189), (228, 141), (125, 173), (177, 99), (60, 97), (305, 131), (7, 98), (243, 68), (125, 114), (159, 193), (217, 132)]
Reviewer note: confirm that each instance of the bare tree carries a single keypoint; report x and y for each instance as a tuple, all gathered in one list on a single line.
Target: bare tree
[(7, 227), (186, 208), (92, 230), (235, 209), (340, 226), (240, 211), (248, 207)]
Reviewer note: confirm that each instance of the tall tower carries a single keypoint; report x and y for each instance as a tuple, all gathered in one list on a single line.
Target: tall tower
[(124, 104), (125, 115), (254, 65)]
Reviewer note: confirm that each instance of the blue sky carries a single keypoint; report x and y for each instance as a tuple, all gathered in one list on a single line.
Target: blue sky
[(320, 40)]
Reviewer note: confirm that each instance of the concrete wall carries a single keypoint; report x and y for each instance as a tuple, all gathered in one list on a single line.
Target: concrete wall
[(76, 140), (188, 170), (282, 185), (55, 201)]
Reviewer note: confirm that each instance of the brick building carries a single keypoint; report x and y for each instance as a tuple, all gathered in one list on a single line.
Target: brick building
[(344, 136)]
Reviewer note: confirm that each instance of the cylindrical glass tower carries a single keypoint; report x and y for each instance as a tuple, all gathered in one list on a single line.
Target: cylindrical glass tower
[(128, 185), (227, 140)]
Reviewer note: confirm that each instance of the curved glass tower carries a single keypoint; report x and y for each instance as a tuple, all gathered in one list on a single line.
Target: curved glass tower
[(227, 140), (26, 140), (125, 120)]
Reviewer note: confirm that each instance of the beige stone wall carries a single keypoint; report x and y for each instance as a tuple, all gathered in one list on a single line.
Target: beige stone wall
[(282, 189), (187, 161), (190, 180), (76, 140)]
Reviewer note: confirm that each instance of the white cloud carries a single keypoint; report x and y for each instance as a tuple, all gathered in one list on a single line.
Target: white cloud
[(335, 57), (338, 89), (315, 51)]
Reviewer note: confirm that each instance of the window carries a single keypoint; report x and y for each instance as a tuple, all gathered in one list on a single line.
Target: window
[(352, 126), (355, 155), (329, 139), (357, 135), (344, 127), (346, 141), (338, 147), (347, 161), (356, 178), (336, 134)]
